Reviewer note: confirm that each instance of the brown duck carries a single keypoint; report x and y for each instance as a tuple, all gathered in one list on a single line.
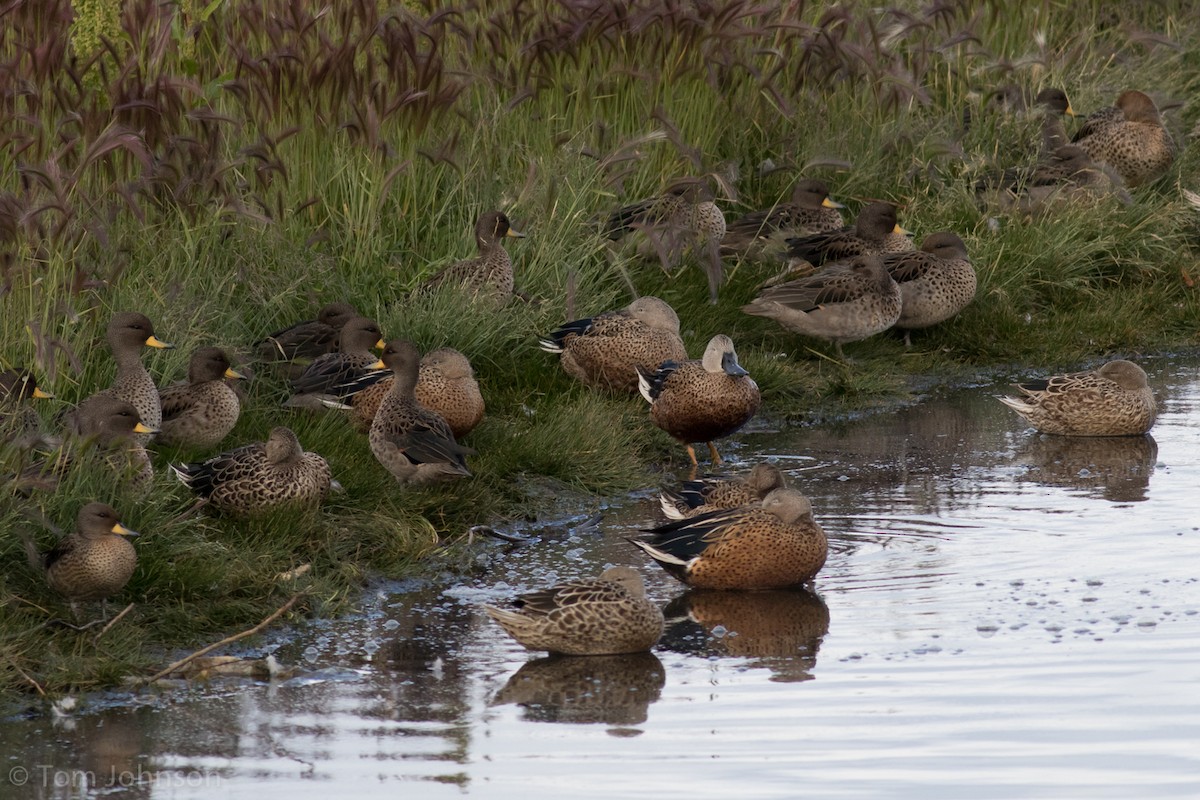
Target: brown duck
[(936, 282), (607, 350), (93, 563), (762, 233), (413, 443), (338, 375), (20, 425), (203, 411), (445, 384), (490, 274), (875, 231), (128, 333), (709, 494), (310, 338), (702, 400), (1129, 137), (770, 545), (260, 477), (604, 616), (1114, 400), (844, 302)]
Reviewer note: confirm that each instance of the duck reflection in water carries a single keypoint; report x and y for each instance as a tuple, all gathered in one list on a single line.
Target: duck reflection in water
[(1116, 468), (611, 690), (780, 630)]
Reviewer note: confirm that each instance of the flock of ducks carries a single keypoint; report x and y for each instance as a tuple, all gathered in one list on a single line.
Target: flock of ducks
[(841, 284)]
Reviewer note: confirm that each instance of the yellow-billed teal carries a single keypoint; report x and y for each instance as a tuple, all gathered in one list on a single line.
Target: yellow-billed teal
[(605, 616), (1114, 400), (1065, 176), (1054, 105), (770, 545), (844, 302), (709, 494), (1135, 144), (338, 375), (413, 443), (490, 274), (259, 477), (93, 563), (684, 218), (702, 400), (762, 233), (20, 425), (936, 282), (875, 231), (445, 384), (203, 411), (607, 350), (310, 338), (128, 333)]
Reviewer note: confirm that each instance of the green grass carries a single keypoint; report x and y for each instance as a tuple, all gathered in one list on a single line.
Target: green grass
[(226, 197)]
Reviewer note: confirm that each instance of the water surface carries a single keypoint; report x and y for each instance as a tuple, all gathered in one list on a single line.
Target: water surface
[(1002, 615)]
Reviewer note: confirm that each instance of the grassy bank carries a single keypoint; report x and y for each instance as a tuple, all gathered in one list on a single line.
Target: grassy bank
[(227, 168)]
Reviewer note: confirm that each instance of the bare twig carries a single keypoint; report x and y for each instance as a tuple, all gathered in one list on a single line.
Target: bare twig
[(112, 622), (283, 609), (24, 675)]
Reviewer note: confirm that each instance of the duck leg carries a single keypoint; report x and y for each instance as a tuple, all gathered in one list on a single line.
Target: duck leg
[(716, 457)]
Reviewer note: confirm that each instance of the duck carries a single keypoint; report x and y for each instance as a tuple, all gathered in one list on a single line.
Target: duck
[(1135, 144), (683, 218), (259, 477), (310, 338), (1054, 105), (700, 496), (112, 426), (338, 375), (20, 425), (446, 385), (413, 443), (773, 544), (606, 351), (94, 562), (811, 211), (844, 302), (203, 411), (1066, 175), (701, 400), (936, 282), (128, 333), (875, 231), (1112, 400), (609, 615), (490, 274)]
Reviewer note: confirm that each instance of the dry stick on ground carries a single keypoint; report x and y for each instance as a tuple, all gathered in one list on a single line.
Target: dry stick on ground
[(112, 622), (227, 640), (36, 685)]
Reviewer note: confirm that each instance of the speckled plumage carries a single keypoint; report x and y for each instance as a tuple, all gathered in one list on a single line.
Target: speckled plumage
[(844, 302), (605, 616), (308, 339), (770, 545), (763, 233), (1113, 400), (1135, 143), (96, 561), (936, 282), (702, 400), (875, 231), (203, 411), (413, 443), (490, 274), (606, 351), (338, 375), (709, 494), (445, 384), (1067, 175), (685, 217), (259, 477), (128, 333), (1054, 105)]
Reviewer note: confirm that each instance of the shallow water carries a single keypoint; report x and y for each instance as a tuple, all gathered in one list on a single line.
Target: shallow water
[(1002, 615)]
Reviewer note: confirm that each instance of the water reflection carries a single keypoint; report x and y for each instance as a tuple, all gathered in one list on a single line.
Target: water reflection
[(780, 630), (1116, 468), (613, 690)]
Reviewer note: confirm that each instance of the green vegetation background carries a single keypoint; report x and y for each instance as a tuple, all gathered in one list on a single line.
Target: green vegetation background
[(227, 167)]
